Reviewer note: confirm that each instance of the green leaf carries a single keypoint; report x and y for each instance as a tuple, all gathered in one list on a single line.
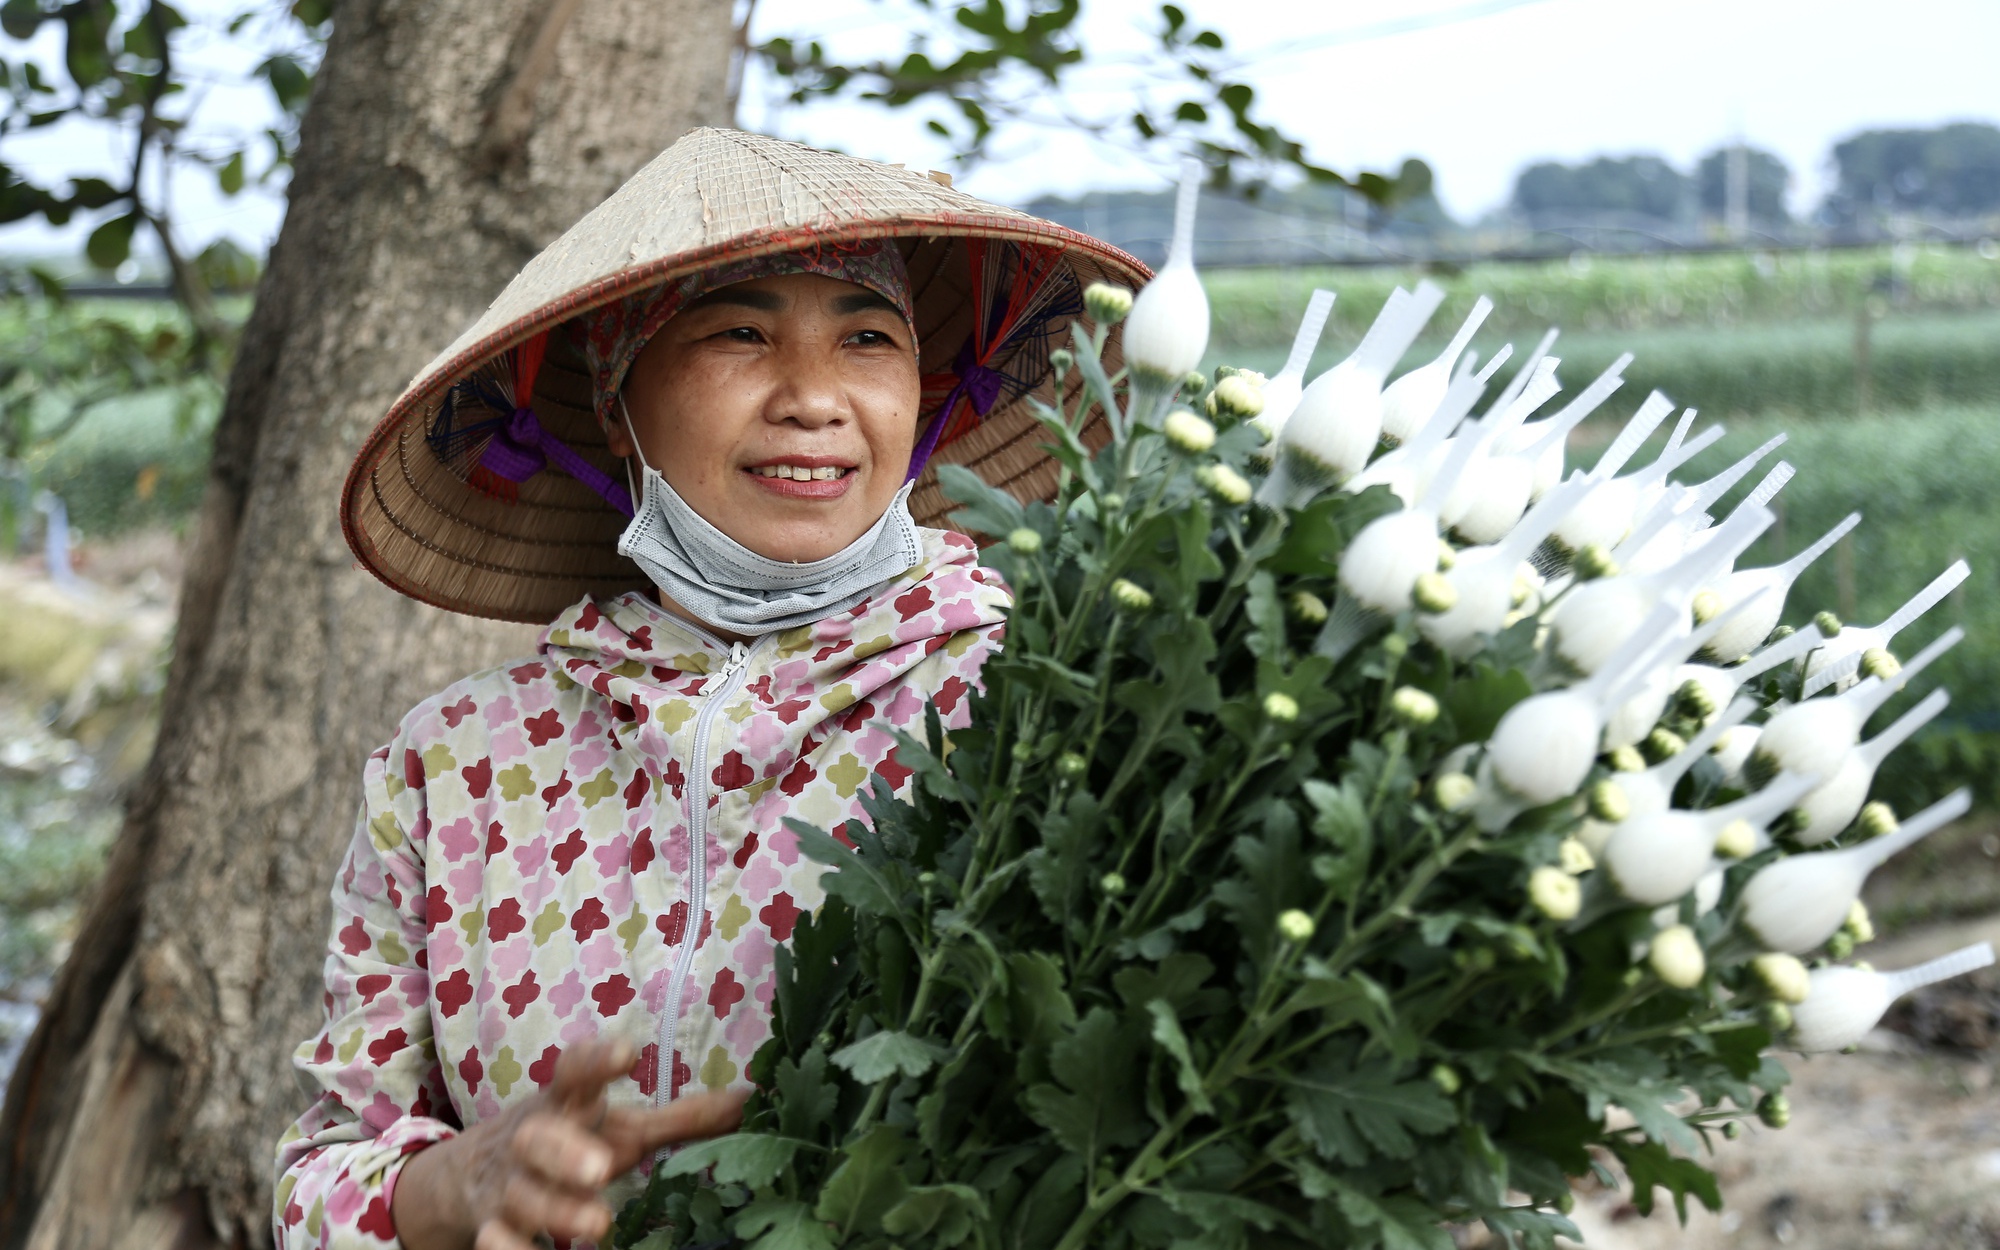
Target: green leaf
[(230, 177), (1261, 606), (867, 1185), (814, 970), (1167, 1032), (1649, 1100), (1398, 1222), (1039, 1009), (1340, 818), (1477, 702), (856, 877), (1651, 1165), (879, 1057), (781, 1224), (945, 1214), (753, 1159), (806, 1099), (1178, 982), (110, 245), (987, 509), (1352, 1113), (1096, 1105)]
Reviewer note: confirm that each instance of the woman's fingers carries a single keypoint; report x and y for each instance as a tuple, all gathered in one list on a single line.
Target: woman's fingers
[(531, 1205), (562, 1152), (495, 1235), (584, 1070), (687, 1119)]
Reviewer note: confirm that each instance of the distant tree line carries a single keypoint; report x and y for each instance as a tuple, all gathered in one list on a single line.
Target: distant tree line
[(1947, 171)]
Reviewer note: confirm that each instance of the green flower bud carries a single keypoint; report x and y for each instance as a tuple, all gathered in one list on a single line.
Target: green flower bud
[(1395, 646), (1877, 820), (1736, 841), (1188, 432), (1695, 701), (1779, 634), (1627, 760), (1433, 593), (1070, 765), (1062, 360), (1307, 608), (1281, 707), (1130, 596), (1555, 893), (1860, 925), (1024, 541), (1774, 1110), (1107, 304), (1731, 1131), (1024, 752), (1783, 976), (1236, 397), (1828, 624), (1224, 483), (1194, 383), (1592, 563), (1662, 744), (1113, 883), (1454, 791), (1840, 945), (926, 878), (1446, 1078), (1677, 958), (1776, 1018), (1880, 662), (1608, 802), (1574, 858), (1707, 606), (1447, 556), (1413, 707), (1295, 926), (1566, 1202)]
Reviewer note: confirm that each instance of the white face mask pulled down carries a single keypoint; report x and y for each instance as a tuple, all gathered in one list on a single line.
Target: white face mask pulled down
[(729, 587)]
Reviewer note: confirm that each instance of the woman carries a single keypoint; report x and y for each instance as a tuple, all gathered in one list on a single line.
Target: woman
[(699, 432)]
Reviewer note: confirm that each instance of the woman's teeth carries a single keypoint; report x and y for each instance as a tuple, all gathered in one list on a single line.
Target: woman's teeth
[(799, 472)]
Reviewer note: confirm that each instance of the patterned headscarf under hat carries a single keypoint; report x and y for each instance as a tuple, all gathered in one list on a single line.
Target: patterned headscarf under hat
[(614, 336)]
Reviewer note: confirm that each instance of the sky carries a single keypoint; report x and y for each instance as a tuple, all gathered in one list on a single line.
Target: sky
[(1478, 88)]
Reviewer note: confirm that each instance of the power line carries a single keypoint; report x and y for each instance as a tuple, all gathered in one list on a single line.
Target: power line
[(1384, 30)]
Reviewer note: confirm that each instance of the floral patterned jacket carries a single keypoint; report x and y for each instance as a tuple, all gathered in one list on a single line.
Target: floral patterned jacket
[(592, 843)]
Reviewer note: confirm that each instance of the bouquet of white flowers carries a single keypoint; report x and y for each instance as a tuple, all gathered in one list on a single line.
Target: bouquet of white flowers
[(1364, 805)]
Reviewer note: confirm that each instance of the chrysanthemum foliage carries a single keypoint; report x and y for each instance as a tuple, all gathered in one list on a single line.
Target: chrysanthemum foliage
[(1266, 902)]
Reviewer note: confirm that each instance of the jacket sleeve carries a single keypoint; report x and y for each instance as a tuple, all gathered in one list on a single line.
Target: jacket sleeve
[(381, 1093)]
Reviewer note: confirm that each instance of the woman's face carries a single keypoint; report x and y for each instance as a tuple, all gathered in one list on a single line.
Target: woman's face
[(783, 410)]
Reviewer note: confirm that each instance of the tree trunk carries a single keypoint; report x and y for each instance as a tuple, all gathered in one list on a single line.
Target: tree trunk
[(448, 141)]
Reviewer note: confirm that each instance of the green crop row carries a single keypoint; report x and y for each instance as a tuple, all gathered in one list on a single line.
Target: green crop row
[(1260, 308)]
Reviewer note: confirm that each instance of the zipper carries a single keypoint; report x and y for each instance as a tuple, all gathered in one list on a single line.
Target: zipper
[(724, 685)]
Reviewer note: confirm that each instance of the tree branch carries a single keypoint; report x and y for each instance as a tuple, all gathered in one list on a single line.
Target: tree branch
[(513, 115)]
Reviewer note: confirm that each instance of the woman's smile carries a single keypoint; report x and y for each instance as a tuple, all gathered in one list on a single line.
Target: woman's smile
[(804, 477)]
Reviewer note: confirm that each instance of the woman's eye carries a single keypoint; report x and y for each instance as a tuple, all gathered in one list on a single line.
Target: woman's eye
[(872, 338), (743, 334)]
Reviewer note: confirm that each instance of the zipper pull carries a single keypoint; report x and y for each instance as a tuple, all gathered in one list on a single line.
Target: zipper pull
[(738, 653)]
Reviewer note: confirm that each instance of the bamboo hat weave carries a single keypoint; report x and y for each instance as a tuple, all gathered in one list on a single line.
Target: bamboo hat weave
[(417, 515)]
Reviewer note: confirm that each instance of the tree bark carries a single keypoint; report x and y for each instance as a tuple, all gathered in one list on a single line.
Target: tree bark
[(448, 141)]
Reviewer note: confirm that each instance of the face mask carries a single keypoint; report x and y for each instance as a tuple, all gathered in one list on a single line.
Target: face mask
[(729, 587)]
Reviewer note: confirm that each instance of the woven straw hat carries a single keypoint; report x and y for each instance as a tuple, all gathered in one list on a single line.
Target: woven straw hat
[(415, 521)]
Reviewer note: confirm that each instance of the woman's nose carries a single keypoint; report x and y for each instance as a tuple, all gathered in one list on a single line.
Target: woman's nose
[(811, 393)]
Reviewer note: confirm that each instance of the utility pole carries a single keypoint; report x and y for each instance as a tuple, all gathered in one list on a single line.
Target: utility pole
[(1736, 191)]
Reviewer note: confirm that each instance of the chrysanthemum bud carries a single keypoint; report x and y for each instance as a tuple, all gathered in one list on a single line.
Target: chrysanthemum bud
[(1828, 624), (1454, 791), (1413, 707), (1194, 383), (1840, 945), (1112, 502), (1446, 1078), (1224, 483), (1783, 976), (1295, 926), (1860, 925), (1236, 397), (1107, 304), (1775, 1110), (1433, 592), (1070, 765), (1627, 760), (1732, 1131), (1112, 883), (1024, 541), (1608, 801), (1189, 432), (1062, 360), (1695, 701), (1776, 1018), (1676, 957), (1593, 562), (1574, 858), (1707, 606), (1555, 893), (1880, 662), (1877, 820), (1662, 744), (1306, 607), (1738, 840), (1130, 596), (1281, 707)]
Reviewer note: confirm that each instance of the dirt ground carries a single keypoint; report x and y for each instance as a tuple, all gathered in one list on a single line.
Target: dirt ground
[(1894, 1147)]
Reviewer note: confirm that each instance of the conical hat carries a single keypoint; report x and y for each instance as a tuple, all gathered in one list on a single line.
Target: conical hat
[(416, 522)]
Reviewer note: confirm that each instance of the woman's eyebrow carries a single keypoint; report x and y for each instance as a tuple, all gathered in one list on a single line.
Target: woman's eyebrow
[(864, 301), (743, 297)]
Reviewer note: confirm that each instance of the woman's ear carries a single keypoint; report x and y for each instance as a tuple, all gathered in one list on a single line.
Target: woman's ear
[(617, 435)]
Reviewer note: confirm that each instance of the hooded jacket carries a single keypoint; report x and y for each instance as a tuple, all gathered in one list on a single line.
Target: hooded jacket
[(591, 843)]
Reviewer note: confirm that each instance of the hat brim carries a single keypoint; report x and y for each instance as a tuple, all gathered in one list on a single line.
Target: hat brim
[(414, 521)]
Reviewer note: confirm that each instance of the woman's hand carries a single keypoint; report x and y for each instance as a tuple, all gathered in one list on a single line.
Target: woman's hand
[(539, 1166)]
